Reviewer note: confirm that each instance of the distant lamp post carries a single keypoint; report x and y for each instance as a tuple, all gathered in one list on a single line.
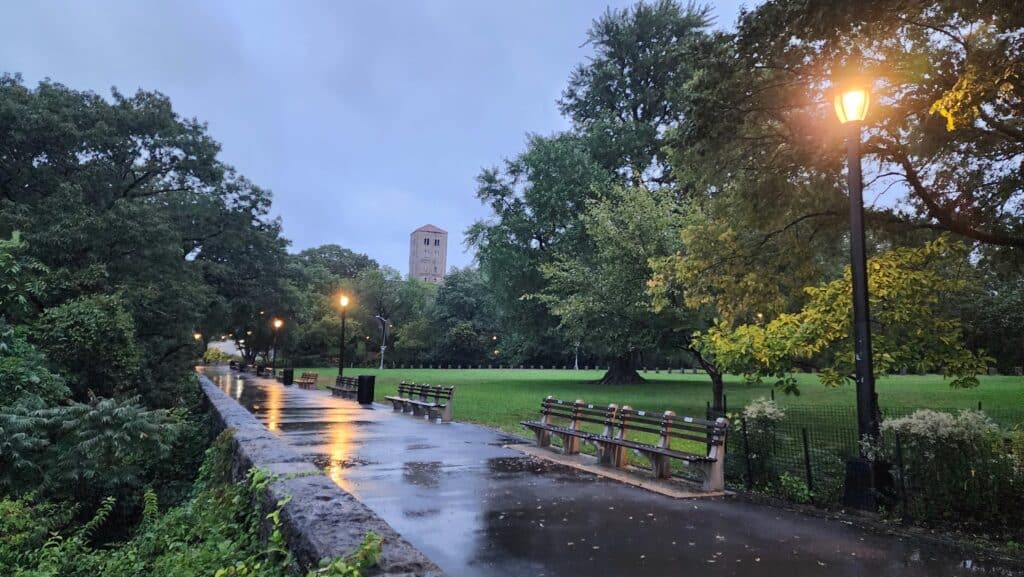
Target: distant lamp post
[(278, 323), (343, 301), (383, 337), (197, 336), (851, 100)]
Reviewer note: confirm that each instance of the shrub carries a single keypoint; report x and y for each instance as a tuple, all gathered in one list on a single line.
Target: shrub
[(216, 533), (215, 356), (763, 418), (957, 469), (23, 371), (92, 339)]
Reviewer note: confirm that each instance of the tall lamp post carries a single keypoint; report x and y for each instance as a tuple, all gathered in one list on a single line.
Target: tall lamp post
[(343, 301), (383, 338), (278, 323), (851, 101)]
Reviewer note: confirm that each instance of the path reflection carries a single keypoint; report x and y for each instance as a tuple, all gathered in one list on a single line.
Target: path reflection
[(273, 405), (342, 438)]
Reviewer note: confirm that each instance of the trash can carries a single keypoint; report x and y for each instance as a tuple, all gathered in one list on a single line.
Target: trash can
[(365, 393), (287, 375)]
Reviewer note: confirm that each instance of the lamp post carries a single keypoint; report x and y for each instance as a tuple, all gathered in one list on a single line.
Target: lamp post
[(278, 323), (383, 337), (343, 301), (851, 100)]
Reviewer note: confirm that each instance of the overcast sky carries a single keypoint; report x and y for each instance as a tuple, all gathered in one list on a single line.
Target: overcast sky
[(365, 119)]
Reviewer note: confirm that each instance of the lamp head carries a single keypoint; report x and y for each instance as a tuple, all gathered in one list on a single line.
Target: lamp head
[(197, 336), (344, 301), (278, 323), (851, 98)]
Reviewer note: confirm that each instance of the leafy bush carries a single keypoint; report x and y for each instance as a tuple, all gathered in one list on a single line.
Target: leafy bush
[(958, 469), (794, 488), (829, 474), (23, 371), (87, 450), (215, 533), (92, 339), (215, 356), (763, 418)]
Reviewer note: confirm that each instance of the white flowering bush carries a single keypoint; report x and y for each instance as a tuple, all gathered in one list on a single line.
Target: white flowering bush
[(957, 468), (762, 417), (765, 410)]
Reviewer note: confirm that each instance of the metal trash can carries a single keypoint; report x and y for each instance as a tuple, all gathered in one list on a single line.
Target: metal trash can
[(287, 376), (365, 392)]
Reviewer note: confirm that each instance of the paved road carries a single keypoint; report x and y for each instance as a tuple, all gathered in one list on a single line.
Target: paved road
[(481, 510)]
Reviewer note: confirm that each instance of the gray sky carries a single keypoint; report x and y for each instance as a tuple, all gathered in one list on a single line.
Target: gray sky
[(366, 119)]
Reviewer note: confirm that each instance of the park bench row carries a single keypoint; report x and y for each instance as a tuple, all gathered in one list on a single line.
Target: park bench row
[(424, 400), (345, 387), (259, 370), (618, 434)]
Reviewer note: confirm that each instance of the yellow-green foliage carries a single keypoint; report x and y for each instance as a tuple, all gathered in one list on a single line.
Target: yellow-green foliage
[(905, 285)]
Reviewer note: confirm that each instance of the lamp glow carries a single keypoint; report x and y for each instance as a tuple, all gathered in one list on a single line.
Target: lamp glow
[(278, 323), (851, 101), (344, 301)]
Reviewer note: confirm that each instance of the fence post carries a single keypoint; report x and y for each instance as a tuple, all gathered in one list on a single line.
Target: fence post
[(903, 478), (807, 461), (773, 394), (746, 454), (979, 405), (725, 404)]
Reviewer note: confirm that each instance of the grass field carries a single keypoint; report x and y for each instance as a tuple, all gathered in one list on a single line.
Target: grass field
[(502, 398)]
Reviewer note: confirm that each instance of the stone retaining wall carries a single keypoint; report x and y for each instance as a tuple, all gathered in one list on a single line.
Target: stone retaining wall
[(322, 520)]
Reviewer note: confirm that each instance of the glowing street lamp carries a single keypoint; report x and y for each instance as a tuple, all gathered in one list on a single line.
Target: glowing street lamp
[(343, 301), (197, 336), (851, 100), (277, 324)]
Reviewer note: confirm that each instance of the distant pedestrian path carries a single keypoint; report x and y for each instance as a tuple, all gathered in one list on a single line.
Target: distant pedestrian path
[(479, 509)]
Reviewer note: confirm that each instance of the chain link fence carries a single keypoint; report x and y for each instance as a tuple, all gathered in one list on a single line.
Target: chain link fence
[(957, 471)]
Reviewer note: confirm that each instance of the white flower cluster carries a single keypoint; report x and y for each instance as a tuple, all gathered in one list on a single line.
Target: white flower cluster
[(965, 427), (762, 410)]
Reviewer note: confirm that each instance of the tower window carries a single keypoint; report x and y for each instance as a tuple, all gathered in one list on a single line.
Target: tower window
[(426, 241), (437, 242)]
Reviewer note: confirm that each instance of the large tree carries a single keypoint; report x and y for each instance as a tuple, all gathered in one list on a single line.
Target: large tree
[(536, 202), (121, 197)]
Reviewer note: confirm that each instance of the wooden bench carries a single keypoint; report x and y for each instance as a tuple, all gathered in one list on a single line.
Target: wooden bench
[(424, 400), (345, 387), (617, 436), (233, 365), (307, 380)]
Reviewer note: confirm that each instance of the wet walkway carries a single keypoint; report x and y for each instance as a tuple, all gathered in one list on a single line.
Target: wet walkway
[(478, 509)]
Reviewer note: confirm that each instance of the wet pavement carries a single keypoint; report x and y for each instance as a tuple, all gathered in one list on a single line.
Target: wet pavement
[(479, 509)]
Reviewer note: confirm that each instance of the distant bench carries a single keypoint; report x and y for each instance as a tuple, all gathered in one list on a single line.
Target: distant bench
[(424, 399), (564, 419), (345, 387), (307, 380)]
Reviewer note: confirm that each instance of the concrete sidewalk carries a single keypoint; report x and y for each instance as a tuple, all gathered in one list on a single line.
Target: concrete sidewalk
[(479, 509)]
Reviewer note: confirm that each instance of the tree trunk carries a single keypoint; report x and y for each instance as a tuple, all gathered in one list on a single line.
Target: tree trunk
[(717, 383), (622, 371)]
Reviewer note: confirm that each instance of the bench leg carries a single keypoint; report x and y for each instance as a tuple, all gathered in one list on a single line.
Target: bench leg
[(714, 476), (396, 405), (617, 457), (446, 413), (570, 444), (406, 407), (662, 466), (543, 437)]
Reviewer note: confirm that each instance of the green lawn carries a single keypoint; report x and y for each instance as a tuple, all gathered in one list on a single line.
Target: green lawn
[(503, 397)]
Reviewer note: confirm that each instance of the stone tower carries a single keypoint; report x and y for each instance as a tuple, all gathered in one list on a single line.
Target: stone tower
[(428, 253)]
